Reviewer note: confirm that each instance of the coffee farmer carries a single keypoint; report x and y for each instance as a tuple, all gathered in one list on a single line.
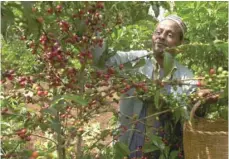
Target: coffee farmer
[(168, 33)]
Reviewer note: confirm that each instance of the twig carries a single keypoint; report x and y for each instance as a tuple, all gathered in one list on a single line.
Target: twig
[(44, 138), (189, 79), (155, 114)]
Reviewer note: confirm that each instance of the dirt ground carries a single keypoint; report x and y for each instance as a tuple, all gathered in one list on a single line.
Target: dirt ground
[(102, 119)]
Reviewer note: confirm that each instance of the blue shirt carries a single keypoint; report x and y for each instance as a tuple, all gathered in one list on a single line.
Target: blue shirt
[(131, 106)]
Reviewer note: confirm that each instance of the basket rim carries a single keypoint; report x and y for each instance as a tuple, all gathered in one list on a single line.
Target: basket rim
[(207, 132)]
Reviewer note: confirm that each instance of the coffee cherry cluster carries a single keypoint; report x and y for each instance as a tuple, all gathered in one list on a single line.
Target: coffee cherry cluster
[(40, 91), (4, 111), (216, 80), (71, 74), (23, 81), (9, 75), (73, 39), (66, 113), (23, 134), (64, 26), (55, 56), (85, 56), (34, 155)]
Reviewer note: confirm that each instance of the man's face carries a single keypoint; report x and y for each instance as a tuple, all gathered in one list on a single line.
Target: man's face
[(167, 34)]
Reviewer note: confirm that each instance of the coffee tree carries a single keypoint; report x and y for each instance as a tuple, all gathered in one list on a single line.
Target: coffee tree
[(68, 81), (59, 36)]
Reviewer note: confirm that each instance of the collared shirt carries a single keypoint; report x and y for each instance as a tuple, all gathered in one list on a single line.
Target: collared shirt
[(134, 105)]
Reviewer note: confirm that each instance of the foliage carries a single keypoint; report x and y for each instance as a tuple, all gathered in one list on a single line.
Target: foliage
[(23, 61), (207, 36), (48, 61)]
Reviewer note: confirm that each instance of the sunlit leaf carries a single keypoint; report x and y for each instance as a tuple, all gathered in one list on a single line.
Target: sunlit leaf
[(139, 63), (56, 126), (168, 63), (157, 98), (149, 147), (177, 115), (78, 99), (51, 111), (121, 150), (173, 154)]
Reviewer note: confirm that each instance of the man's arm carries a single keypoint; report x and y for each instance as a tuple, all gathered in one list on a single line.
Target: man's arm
[(117, 58)]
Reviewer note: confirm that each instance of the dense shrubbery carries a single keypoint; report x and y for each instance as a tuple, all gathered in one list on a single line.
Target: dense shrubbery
[(49, 59)]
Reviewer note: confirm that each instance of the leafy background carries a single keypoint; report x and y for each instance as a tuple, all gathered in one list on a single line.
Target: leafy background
[(206, 41), (205, 46)]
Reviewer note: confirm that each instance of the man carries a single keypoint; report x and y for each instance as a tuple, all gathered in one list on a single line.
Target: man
[(168, 33)]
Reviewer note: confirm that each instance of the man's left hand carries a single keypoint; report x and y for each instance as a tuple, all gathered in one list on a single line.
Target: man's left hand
[(208, 95)]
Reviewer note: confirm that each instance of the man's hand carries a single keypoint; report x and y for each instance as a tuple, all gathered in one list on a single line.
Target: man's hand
[(208, 95)]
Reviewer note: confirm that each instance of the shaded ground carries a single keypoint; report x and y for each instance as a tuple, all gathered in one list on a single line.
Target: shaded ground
[(102, 118)]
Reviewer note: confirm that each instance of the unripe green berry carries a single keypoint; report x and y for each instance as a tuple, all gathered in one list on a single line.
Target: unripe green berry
[(220, 69)]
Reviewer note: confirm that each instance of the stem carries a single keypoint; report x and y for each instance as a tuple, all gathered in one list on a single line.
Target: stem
[(44, 138), (60, 150), (155, 114), (78, 146), (189, 79), (60, 141), (79, 136)]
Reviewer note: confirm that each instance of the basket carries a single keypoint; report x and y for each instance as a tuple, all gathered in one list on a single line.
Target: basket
[(205, 139)]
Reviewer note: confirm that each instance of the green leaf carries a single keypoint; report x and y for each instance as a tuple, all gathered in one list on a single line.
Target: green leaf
[(56, 126), (149, 147), (177, 115), (28, 14), (223, 112), (75, 98), (140, 63), (162, 156), (81, 27), (60, 100), (60, 105), (222, 46), (187, 11), (43, 127), (5, 123), (166, 151), (157, 98), (168, 63), (157, 141), (104, 133), (51, 111), (121, 150), (127, 65), (3, 103), (225, 93), (7, 18), (173, 154)]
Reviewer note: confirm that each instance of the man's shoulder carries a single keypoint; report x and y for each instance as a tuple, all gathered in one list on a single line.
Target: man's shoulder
[(133, 53)]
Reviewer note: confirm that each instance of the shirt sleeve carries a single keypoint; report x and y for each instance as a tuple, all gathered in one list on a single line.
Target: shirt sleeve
[(122, 57), (189, 83)]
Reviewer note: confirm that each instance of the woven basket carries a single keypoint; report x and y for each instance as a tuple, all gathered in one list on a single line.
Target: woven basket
[(205, 139)]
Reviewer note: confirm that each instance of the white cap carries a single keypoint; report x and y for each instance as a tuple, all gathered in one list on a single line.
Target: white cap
[(179, 22)]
